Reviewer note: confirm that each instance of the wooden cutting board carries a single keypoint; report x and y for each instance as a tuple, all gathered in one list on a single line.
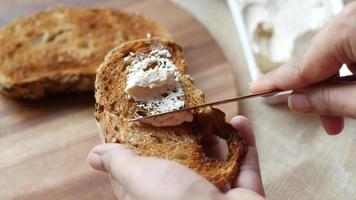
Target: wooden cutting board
[(44, 144)]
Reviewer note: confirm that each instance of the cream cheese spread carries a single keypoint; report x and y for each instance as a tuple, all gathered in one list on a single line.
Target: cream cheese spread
[(282, 29), (153, 82), (173, 119)]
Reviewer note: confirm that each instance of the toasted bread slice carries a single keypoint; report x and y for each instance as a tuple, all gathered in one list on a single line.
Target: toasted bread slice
[(178, 143), (58, 50)]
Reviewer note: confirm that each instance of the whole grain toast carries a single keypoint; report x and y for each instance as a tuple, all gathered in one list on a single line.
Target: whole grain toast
[(58, 50), (178, 143)]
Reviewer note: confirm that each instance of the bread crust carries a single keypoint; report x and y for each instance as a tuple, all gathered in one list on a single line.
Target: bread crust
[(53, 50), (179, 143)]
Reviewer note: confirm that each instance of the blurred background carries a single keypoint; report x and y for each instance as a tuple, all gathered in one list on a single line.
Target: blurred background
[(298, 160)]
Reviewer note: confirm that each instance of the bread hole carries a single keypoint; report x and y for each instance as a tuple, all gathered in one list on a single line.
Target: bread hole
[(101, 108), (116, 128), (83, 44), (171, 148), (125, 37), (181, 156), (123, 68), (157, 139), (5, 89), (214, 147), (165, 94), (124, 114), (151, 65), (38, 39), (63, 40), (30, 34), (95, 10), (127, 53), (141, 113), (18, 45), (56, 35), (112, 105), (92, 25), (13, 50)]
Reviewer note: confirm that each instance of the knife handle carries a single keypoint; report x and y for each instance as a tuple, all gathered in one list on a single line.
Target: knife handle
[(342, 79), (282, 97)]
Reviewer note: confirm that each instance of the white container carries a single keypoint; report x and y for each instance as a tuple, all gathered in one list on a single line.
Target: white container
[(254, 70)]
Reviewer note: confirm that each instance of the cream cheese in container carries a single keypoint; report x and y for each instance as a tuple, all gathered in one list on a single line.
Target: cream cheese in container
[(256, 22), (280, 30)]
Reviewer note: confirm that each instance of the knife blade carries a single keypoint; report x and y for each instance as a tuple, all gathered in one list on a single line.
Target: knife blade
[(234, 99)]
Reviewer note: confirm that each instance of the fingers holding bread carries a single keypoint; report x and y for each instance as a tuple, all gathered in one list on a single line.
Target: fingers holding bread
[(181, 142)]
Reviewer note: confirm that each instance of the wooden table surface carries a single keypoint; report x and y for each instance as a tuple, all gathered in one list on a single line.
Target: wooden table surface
[(44, 144), (298, 160)]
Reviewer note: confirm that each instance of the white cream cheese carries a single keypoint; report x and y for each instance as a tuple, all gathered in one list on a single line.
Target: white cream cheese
[(282, 29), (152, 75), (153, 82), (173, 119)]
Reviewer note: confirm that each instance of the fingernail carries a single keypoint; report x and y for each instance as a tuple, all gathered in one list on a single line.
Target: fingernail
[(252, 84), (259, 77), (299, 102), (254, 81), (102, 148), (94, 160)]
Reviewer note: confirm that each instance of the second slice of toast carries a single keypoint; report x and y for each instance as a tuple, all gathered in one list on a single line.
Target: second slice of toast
[(58, 50)]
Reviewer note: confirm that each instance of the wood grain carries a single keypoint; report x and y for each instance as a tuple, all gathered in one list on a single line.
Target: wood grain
[(44, 144)]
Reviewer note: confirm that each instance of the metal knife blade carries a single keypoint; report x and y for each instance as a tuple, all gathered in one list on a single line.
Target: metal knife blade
[(234, 99)]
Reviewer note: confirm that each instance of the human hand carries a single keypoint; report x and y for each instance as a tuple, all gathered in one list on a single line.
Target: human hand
[(333, 46), (135, 177)]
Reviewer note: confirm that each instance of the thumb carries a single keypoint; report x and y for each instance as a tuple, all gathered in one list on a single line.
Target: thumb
[(100, 158), (148, 177), (333, 99), (111, 158)]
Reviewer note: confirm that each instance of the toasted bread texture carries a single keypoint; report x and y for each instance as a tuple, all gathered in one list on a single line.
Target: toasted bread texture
[(58, 50), (182, 143)]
